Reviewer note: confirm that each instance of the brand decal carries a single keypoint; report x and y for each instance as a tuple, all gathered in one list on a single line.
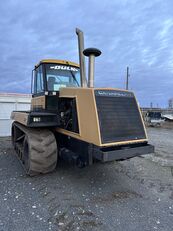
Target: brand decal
[(114, 93), (66, 68)]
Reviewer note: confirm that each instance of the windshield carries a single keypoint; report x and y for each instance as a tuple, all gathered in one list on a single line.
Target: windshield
[(58, 76)]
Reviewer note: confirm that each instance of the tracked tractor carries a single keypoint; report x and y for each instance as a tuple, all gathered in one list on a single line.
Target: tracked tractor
[(71, 119)]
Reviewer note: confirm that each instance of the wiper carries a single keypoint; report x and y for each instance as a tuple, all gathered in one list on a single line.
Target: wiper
[(74, 77)]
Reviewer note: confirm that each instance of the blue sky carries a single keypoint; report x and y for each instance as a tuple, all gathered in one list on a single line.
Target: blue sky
[(135, 33)]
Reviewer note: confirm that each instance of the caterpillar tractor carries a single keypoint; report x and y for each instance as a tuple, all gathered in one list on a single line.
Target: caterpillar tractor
[(72, 120)]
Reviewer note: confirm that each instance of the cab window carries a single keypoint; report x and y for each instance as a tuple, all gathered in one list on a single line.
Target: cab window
[(59, 76), (39, 84)]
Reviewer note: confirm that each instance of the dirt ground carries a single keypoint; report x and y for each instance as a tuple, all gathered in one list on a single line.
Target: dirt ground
[(136, 194)]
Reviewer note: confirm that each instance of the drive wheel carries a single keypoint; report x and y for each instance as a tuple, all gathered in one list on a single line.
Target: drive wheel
[(39, 152)]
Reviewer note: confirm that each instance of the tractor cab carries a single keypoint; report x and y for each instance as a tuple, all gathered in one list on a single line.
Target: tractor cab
[(51, 75), (48, 77)]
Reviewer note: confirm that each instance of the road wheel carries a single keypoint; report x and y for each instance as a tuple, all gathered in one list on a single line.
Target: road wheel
[(39, 152)]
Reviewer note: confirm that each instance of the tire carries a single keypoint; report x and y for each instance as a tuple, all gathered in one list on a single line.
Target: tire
[(39, 152)]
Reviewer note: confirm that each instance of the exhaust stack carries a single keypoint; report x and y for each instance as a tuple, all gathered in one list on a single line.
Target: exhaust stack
[(81, 57), (91, 53)]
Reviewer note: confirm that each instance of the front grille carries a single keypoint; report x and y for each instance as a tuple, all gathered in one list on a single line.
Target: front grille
[(119, 117)]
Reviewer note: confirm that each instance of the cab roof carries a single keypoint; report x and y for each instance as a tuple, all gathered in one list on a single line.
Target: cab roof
[(57, 61)]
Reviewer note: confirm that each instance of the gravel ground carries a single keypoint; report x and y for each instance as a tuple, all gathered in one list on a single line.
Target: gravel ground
[(162, 139), (131, 195)]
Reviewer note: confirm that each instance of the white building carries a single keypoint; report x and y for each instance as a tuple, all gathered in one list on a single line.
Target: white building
[(11, 102)]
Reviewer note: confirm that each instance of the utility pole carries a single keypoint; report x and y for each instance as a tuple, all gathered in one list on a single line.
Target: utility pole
[(127, 79)]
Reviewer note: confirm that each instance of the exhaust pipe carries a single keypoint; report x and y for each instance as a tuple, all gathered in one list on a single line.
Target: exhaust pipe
[(81, 57), (91, 53)]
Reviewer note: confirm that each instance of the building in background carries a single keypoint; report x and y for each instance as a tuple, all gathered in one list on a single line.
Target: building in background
[(10, 102)]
